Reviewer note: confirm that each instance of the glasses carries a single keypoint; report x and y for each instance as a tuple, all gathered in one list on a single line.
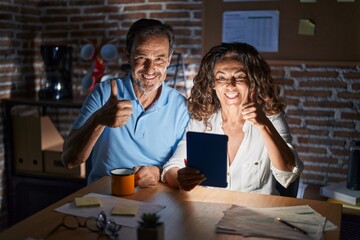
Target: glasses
[(99, 224)]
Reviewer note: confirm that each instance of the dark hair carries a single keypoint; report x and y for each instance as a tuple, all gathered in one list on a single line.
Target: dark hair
[(149, 27), (203, 101)]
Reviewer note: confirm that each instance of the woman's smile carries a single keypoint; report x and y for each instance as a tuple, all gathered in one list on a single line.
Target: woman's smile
[(232, 95)]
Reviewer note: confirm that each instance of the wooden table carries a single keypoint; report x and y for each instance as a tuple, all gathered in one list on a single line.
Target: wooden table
[(186, 216)]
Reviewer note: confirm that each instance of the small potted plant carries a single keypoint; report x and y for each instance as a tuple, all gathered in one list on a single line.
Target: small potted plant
[(150, 227)]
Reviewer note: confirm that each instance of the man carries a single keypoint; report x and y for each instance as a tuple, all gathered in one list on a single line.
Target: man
[(135, 122)]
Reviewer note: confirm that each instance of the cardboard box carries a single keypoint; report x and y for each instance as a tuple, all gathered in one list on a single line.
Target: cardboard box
[(34, 142), (38, 148), (54, 166), (20, 143), (32, 135)]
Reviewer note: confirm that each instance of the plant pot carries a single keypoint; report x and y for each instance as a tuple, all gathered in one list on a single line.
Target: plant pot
[(151, 233)]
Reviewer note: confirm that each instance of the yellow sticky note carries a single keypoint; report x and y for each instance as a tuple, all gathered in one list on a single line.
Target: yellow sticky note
[(125, 210), (87, 202), (306, 27)]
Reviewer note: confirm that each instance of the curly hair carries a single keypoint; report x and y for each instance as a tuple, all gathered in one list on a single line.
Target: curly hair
[(203, 101)]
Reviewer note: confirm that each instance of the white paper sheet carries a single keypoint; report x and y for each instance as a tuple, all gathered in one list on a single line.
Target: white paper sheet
[(260, 222), (107, 203), (258, 28)]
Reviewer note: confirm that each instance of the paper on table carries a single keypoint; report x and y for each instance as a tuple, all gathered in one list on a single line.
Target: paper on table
[(260, 222), (107, 203), (124, 210)]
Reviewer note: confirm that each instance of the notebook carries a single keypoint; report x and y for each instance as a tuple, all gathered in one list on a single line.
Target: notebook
[(207, 152)]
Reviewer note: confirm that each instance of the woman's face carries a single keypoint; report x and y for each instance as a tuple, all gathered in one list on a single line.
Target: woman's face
[(231, 82)]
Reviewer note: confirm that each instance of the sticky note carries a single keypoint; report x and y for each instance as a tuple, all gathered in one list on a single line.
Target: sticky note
[(125, 210), (306, 27), (87, 202)]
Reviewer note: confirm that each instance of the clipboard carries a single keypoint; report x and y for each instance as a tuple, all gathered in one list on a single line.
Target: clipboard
[(207, 152)]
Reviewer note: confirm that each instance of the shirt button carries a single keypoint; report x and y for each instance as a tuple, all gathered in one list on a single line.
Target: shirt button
[(256, 163)]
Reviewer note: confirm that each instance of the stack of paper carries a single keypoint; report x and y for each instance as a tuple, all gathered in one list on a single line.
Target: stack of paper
[(340, 192), (344, 204), (123, 211), (261, 222)]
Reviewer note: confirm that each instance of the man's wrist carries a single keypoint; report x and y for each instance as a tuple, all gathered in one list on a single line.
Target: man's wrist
[(160, 169)]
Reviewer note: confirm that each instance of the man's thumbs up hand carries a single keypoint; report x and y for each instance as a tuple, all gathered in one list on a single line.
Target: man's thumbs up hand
[(115, 113)]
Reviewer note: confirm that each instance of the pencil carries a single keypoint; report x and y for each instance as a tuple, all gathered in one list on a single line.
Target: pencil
[(292, 226)]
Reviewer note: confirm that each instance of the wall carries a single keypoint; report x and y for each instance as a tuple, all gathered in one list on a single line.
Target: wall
[(323, 98), (323, 105)]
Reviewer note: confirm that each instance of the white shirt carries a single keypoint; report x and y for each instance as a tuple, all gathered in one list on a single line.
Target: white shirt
[(251, 169)]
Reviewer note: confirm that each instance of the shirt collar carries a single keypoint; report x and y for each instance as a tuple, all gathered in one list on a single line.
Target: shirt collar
[(130, 93), (218, 119)]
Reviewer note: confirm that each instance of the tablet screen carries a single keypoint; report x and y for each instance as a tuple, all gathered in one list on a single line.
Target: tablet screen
[(207, 152)]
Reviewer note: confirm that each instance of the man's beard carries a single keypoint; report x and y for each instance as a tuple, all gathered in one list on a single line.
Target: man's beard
[(146, 90)]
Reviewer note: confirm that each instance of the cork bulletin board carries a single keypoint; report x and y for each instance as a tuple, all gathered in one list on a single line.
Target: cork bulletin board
[(335, 36)]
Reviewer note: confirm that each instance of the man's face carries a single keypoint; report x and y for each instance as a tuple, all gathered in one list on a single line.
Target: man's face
[(149, 59)]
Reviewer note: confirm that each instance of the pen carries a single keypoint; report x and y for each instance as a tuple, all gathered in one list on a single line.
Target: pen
[(292, 226)]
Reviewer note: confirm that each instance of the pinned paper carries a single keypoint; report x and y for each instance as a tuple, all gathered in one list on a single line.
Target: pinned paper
[(124, 210), (87, 202), (306, 27)]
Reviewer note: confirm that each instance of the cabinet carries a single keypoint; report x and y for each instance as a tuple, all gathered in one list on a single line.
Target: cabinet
[(27, 192)]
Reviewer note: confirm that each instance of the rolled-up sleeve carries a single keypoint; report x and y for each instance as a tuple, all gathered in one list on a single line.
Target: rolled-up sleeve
[(179, 156), (177, 160), (285, 178)]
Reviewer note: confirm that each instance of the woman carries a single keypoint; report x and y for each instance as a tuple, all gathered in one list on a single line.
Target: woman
[(234, 94)]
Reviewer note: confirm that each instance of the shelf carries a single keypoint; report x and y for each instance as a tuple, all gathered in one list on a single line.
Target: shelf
[(27, 192)]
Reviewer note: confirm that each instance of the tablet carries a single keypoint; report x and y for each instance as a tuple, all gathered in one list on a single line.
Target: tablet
[(207, 152)]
